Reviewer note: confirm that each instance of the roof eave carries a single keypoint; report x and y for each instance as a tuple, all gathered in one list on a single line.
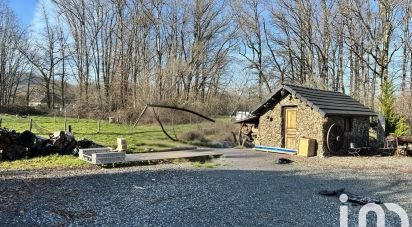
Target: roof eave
[(249, 120), (267, 100), (351, 115)]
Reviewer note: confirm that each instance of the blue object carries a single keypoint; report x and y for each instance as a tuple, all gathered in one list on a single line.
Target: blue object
[(275, 149)]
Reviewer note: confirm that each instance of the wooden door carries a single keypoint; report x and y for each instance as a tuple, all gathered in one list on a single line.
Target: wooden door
[(290, 128)]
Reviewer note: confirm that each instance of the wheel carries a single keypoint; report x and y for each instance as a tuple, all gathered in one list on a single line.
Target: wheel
[(334, 138)]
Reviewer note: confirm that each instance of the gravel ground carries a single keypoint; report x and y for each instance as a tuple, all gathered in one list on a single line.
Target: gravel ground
[(246, 189)]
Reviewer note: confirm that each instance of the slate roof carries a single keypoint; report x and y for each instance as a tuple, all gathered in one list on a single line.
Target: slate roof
[(327, 103)]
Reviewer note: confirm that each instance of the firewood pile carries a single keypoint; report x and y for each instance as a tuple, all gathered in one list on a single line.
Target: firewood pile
[(15, 145)]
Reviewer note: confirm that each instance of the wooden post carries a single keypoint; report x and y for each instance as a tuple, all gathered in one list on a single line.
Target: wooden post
[(30, 124), (65, 120), (1, 121), (141, 114), (70, 128), (78, 118), (98, 126)]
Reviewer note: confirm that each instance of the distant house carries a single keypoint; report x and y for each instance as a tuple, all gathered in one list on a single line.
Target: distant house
[(333, 119), (240, 115), (41, 101), (35, 101)]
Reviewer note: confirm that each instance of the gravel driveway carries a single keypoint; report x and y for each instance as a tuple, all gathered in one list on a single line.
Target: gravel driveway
[(247, 189)]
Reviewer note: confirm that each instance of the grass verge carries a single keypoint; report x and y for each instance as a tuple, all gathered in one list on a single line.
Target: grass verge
[(207, 164), (46, 162)]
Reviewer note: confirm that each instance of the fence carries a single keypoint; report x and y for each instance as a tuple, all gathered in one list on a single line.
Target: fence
[(47, 125)]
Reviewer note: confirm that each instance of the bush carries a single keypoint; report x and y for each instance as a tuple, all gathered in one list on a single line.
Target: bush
[(394, 123), (81, 110), (193, 136), (402, 127), (387, 105), (220, 132), (20, 110)]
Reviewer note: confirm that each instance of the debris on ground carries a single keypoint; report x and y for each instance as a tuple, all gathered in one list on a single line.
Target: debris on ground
[(64, 142), (337, 192), (284, 161), (352, 198), (138, 187), (85, 143), (15, 145)]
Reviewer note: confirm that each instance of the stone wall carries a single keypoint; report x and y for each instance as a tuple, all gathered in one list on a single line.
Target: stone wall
[(270, 131), (310, 124)]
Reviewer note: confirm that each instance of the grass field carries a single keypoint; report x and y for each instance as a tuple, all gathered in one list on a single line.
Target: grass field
[(47, 162), (139, 138)]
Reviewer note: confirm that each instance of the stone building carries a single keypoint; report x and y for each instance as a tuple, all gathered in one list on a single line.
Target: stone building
[(333, 119)]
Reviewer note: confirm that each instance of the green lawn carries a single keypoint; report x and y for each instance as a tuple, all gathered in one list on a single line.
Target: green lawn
[(47, 162), (139, 139)]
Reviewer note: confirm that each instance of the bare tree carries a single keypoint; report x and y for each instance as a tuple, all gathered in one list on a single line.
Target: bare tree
[(12, 62), (250, 21), (44, 56)]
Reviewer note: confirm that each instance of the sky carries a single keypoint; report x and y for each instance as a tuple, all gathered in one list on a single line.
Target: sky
[(29, 13), (24, 9)]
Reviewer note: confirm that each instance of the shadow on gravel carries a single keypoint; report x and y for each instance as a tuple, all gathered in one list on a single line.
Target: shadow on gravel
[(192, 197), (245, 156)]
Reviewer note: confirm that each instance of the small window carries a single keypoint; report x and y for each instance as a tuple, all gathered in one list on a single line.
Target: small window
[(348, 123)]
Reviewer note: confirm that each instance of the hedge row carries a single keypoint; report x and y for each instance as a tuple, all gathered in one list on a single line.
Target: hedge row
[(20, 110)]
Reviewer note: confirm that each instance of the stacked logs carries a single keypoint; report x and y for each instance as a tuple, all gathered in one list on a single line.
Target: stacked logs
[(16, 145), (404, 140), (13, 144)]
